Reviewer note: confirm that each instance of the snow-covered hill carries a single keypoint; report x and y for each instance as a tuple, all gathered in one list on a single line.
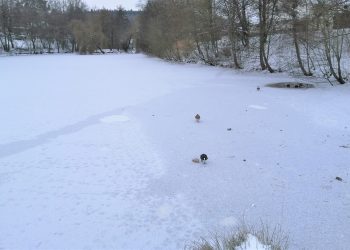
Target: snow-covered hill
[(96, 153)]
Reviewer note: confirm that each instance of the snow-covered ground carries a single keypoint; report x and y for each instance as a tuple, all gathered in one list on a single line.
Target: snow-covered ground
[(96, 153)]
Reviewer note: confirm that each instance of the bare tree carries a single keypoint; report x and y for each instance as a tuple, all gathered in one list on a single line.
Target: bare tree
[(89, 35), (267, 10), (76, 10), (165, 29), (332, 37), (207, 29), (7, 24), (236, 32), (33, 19), (298, 24)]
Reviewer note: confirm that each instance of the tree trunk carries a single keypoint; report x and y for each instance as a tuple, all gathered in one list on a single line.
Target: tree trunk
[(262, 33), (101, 50), (297, 50), (261, 53), (266, 18), (328, 50), (58, 47), (33, 44)]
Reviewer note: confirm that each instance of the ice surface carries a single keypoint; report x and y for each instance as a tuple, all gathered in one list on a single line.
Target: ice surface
[(96, 153), (257, 107), (115, 118)]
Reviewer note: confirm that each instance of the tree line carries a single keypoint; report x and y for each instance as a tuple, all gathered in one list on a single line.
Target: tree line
[(235, 31), (310, 35), (35, 26)]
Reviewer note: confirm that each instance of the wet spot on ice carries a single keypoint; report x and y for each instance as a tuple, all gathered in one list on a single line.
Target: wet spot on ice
[(257, 107), (294, 85), (228, 221), (114, 119)]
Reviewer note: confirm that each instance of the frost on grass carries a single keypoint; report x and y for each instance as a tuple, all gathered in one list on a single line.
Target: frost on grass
[(245, 238)]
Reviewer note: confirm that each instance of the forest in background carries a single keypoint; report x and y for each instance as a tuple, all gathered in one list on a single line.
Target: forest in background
[(310, 36), (38, 26)]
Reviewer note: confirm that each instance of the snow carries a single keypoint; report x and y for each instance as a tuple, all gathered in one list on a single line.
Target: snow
[(96, 153), (257, 107), (252, 243)]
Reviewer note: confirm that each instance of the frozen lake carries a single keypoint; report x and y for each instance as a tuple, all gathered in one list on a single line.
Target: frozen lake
[(96, 153)]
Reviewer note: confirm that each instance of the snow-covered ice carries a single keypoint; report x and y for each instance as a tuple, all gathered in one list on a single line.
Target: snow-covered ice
[(115, 118), (257, 107), (96, 153)]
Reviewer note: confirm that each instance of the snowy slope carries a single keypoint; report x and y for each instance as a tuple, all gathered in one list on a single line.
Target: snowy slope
[(95, 153)]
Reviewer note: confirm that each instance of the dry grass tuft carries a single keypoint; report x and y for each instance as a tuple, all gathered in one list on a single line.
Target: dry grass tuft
[(274, 238)]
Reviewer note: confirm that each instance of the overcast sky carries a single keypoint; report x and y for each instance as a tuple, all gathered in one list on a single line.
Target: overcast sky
[(112, 4)]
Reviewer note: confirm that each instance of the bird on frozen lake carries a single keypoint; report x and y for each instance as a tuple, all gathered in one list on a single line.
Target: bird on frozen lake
[(258, 88), (197, 117), (204, 158)]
